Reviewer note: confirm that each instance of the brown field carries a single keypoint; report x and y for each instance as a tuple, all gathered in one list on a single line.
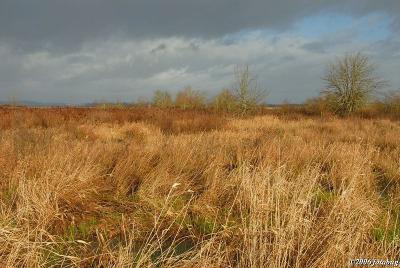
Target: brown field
[(143, 187)]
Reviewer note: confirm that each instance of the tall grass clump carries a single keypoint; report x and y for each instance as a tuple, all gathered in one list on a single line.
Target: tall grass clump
[(320, 105), (351, 81), (391, 103)]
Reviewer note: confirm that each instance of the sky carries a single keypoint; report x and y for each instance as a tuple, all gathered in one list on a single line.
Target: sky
[(79, 51)]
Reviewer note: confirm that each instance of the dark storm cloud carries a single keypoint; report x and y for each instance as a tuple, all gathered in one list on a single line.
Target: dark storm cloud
[(160, 47), (60, 24), (335, 39)]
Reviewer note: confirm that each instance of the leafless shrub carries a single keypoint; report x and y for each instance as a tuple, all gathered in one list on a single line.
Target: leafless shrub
[(247, 92), (189, 98), (225, 101), (162, 99)]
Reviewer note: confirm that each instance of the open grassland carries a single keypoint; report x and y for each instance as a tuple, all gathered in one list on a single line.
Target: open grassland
[(168, 188)]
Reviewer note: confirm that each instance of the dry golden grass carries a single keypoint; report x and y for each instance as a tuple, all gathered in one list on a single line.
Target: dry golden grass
[(151, 188)]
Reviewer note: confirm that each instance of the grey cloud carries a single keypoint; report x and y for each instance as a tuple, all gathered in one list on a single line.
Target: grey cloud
[(60, 25), (107, 72), (318, 46), (159, 48), (194, 46), (332, 40)]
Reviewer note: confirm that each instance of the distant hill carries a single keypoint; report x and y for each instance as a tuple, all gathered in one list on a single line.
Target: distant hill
[(34, 103)]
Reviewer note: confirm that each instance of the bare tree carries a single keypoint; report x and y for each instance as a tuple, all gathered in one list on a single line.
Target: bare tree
[(246, 90), (351, 81)]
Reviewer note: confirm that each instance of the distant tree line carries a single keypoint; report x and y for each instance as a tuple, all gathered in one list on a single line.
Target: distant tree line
[(245, 96), (351, 84)]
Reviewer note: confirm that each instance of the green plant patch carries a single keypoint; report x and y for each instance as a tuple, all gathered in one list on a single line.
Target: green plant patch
[(82, 230), (388, 235), (205, 225), (322, 196)]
